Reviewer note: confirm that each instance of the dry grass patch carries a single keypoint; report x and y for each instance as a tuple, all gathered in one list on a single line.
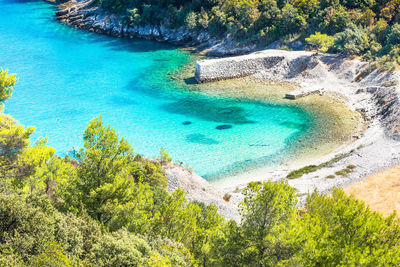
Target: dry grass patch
[(381, 191)]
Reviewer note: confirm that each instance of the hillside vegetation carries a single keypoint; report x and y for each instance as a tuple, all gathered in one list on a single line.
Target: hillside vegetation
[(110, 207), (367, 28)]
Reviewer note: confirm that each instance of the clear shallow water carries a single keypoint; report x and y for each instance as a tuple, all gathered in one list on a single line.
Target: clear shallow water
[(68, 76)]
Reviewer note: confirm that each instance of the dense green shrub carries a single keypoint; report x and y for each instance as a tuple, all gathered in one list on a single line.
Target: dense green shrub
[(321, 42), (123, 248), (348, 233), (24, 229), (300, 172), (393, 37)]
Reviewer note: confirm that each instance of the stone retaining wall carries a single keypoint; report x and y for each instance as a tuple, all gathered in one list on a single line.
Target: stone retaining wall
[(234, 67), (240, 66)]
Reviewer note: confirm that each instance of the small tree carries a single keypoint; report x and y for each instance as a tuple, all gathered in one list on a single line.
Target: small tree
[(7, 81), (320, 42), (268, 211), (191, 20)]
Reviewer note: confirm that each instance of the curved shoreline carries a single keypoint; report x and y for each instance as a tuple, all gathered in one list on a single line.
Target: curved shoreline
[(372, 93), (325, 120), (81, 15), (335, 124)]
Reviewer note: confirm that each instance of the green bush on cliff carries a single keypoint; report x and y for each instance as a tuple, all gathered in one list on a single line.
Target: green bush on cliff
[(321, 42)]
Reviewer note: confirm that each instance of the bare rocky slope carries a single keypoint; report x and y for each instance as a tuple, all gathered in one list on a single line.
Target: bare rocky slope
[(199, 189)]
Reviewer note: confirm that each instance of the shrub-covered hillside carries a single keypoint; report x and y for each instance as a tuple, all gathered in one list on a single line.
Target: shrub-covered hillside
[(110, 207), (367, 28)]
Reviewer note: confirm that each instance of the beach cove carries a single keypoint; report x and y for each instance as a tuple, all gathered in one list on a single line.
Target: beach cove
[(133, 90)]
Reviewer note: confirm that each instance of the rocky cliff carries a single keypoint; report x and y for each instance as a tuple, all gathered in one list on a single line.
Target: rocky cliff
[(85, 16)]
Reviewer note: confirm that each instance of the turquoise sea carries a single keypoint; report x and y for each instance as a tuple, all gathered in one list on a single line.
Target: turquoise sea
[(68, 76)]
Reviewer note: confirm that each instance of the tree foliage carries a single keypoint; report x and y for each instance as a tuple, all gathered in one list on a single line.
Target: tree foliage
[(321, 42), (353, 23), (7, 81)]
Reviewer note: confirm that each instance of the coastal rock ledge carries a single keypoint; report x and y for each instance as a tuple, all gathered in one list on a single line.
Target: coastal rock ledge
[(235, 67), (83, 15)]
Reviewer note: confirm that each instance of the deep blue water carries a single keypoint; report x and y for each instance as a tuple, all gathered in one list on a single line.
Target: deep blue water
[(68, 76)]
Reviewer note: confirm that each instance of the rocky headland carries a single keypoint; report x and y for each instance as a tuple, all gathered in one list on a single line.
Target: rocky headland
[(199, 189)]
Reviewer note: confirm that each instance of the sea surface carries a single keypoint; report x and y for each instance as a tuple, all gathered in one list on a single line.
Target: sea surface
[(69, 76)]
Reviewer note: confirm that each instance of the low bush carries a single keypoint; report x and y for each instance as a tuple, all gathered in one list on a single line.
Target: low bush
[(300, 172)]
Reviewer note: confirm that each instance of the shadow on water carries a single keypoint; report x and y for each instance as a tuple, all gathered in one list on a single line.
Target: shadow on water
[(135, 45), (190, 81), (302, 127), (122, 101), (223, 127), (208, 109), (201, 139)]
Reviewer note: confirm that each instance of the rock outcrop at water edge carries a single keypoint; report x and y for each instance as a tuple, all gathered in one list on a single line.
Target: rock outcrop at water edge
[(82, 15)]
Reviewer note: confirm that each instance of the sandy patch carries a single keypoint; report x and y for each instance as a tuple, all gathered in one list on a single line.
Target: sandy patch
[(380, 191)]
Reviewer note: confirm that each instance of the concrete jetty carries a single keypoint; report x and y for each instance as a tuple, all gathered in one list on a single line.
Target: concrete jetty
[(301, 93)]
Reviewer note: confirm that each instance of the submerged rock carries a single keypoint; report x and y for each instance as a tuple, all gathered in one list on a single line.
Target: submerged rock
[(201, 139), (223, 127)]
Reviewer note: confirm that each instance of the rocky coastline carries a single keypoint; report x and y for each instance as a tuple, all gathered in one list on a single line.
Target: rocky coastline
[(365, 89), (83, 15)]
